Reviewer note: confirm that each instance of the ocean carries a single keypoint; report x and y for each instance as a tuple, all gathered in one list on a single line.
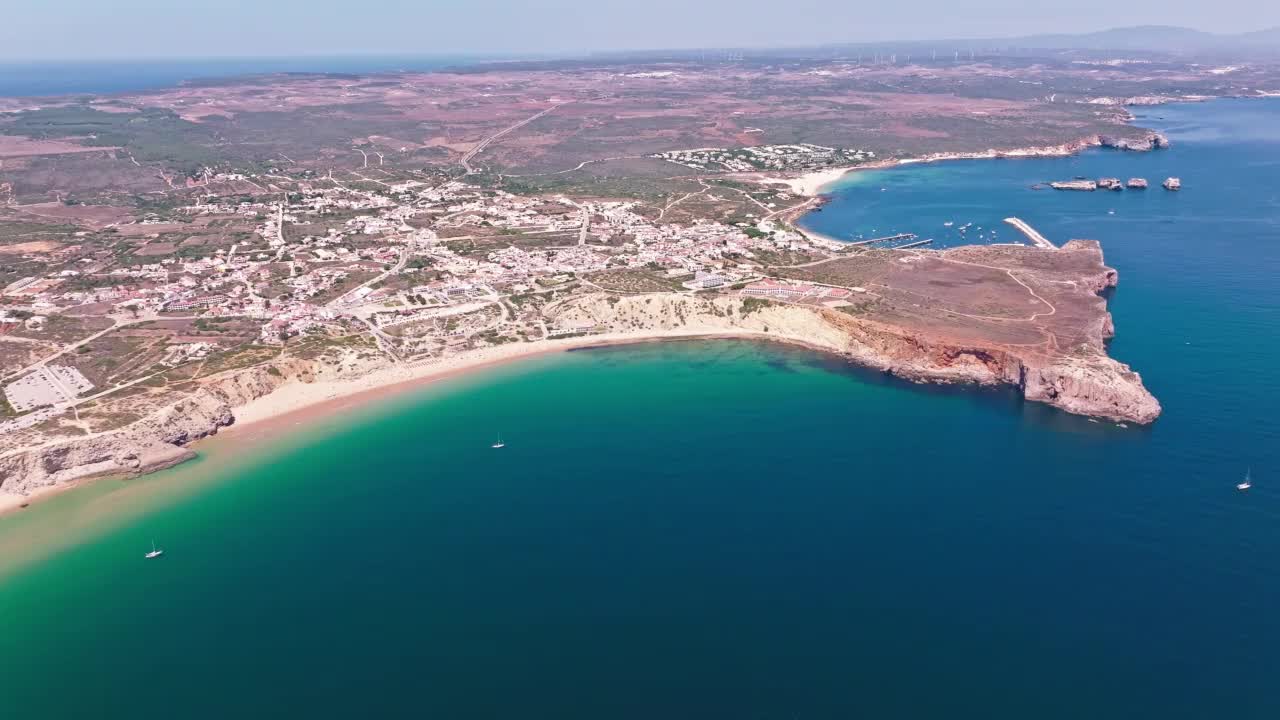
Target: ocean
[(731, 529)]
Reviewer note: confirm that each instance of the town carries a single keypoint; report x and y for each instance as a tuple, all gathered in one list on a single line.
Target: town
[(803, 156), (422, 270)]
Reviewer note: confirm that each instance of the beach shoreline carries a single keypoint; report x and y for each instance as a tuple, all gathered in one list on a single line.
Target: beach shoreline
[(818, 182), (297, 404), (295, 398), (296, 401)]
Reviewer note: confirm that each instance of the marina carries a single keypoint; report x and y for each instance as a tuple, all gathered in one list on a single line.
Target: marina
[(917, 243), (885, 239)]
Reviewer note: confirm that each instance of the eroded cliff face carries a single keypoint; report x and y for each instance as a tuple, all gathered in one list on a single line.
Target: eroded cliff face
[(1097, 386), (1087, 383), (693, 314), (155, 442), (1083, 381)]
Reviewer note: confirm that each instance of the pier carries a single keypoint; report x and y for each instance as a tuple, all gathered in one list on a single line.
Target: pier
[(1032, 234), (887, 238), (914, 244)]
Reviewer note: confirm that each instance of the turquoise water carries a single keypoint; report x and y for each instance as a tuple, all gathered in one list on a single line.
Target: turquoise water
[(726, 529)]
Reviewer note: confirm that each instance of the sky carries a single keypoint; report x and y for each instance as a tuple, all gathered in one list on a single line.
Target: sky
[(124, 29)]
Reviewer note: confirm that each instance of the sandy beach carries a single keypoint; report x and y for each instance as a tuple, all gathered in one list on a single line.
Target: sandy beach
[(298, 403), (813, 184), (809, 184), (296, 400), (11, 501)]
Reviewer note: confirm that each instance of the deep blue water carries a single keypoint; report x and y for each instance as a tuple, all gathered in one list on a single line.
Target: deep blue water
[(725, 529), (32, 79), (1196, 309)]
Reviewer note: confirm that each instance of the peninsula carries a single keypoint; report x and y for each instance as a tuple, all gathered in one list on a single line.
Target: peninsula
[(182, 260)]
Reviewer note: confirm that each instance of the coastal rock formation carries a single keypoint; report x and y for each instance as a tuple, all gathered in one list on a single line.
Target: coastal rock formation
[(1055, 355), (653, 314), (1152, 141), (1031, 318), (1098, 386), (150, 444), (153, 443), (1094, 385)]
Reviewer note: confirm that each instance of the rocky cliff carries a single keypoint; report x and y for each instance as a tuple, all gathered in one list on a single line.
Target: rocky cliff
[(155, 442), (1152, 141), (1083, 381), (1089, 383)]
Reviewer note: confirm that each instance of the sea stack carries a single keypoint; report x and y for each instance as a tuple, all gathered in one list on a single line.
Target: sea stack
[(1084, 185)]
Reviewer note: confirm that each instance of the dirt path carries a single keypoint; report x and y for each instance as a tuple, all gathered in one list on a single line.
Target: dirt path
[(466, 159)]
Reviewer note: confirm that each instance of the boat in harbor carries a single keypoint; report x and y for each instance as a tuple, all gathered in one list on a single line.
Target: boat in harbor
[(1110, 183), (1172, 183), (155, 551), (1247, 482), (1137, 183)]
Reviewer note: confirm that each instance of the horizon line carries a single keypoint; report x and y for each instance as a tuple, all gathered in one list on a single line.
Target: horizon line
[(587, 52)]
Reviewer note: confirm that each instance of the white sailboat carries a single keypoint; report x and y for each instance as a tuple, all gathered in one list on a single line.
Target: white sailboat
[(1247, 482), (155, 551), (499, 444)]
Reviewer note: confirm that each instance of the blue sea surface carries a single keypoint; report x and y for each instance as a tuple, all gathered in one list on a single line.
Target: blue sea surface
[(723, 529)]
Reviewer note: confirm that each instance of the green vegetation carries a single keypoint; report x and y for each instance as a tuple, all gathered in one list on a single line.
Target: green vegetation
[(752, 304), (858, 308), (634, 281), (240, 357), (153, 135), (20, 230), (461, 247)]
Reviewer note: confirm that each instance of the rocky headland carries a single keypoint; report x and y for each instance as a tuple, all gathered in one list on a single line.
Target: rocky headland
[(1059, 360), (1031, 318)]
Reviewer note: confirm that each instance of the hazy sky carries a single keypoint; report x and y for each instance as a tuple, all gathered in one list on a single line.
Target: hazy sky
[(51, 29)]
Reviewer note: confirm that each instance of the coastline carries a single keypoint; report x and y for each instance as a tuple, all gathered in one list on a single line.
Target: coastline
[(818, 182), (298, 403), (298, 399), (295, 401)]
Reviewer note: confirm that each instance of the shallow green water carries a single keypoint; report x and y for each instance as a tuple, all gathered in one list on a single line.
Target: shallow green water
[(727, 529)]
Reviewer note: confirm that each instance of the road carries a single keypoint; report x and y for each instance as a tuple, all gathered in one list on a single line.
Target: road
[(385, 342), (471, 154), (118, 325), (73, 346), (585, 213), (404, 260)]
